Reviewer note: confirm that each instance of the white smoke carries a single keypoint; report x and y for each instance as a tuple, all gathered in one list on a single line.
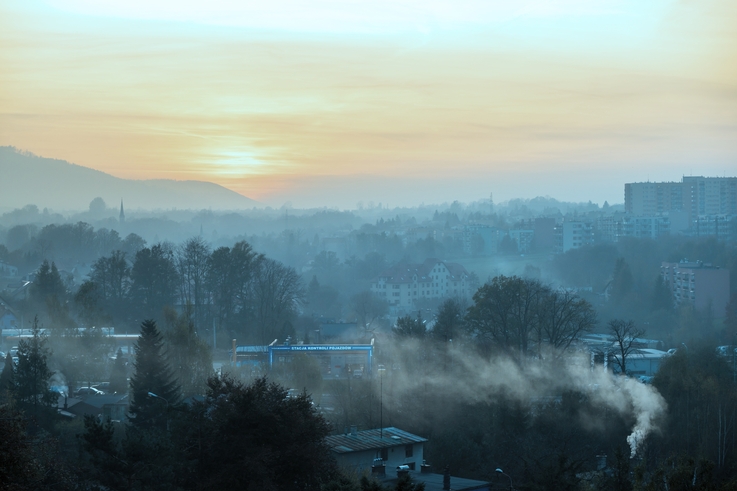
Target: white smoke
[(486, 380), (58, 383)]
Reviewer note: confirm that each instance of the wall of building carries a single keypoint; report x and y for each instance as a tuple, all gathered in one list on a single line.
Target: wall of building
[(361, 462)]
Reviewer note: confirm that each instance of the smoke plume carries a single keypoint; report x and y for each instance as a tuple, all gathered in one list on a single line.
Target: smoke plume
[(471, 378)]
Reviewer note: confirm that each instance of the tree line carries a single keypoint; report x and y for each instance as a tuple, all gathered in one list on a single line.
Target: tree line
[(230, 289)]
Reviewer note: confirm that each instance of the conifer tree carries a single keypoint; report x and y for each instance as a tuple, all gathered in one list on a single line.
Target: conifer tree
[(31, 376), (152, 375), (6, 377)]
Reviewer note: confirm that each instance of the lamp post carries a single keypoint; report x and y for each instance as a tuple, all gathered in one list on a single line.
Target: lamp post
[(499, 471), (155, 396), (381, 370)]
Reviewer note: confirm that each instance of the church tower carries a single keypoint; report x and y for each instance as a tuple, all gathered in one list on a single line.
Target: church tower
[(122, 213)]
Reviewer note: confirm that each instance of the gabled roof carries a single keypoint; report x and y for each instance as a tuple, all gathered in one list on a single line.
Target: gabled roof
[(106, 400), (405, 272), (371, 440)]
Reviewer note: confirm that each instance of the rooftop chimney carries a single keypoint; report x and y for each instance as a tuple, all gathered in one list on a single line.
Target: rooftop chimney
[(600, 462), (354, 430)]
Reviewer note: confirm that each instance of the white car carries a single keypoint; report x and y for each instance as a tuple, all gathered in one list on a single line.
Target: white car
[(89, 391)]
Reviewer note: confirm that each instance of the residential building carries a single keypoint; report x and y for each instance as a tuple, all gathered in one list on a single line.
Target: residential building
[(572, 235), (8, 317), (653, 198), (544, 233), (711, 200), (356, 450), (389, 452), (608, 228), (641, 227), (710, 195), (719, 226), (405, 283), (701, 285), (523, 238), (7, 270), (481, 239)]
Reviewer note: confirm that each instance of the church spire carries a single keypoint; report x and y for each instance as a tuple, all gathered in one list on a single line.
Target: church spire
[(122, 213)]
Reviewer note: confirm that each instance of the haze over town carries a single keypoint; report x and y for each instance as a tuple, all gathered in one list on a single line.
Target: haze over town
[(368, 246)]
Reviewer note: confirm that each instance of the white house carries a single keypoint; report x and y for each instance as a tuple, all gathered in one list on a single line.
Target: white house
[(356, 450)]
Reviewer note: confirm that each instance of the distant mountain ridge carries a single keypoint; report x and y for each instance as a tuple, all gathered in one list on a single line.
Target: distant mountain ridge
[(60, 185)]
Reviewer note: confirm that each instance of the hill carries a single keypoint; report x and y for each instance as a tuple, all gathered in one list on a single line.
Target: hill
[(60, 185)]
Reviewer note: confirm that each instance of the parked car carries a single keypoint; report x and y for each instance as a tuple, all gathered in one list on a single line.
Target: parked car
[(105, 387), (88, 391)]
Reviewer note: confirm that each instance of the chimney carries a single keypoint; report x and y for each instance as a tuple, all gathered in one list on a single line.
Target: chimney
[(446, 479), (601, 462), (378, 469), (354, 430)]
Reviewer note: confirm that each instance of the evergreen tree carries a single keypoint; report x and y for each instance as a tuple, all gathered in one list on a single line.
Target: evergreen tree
[(154, 279), (449, 320), (119, 374), (32, 374), (407, 327), (190, 356), (662, 296), (622, 281), (48, 283), (6, 377), (152, 376), (254, 437)]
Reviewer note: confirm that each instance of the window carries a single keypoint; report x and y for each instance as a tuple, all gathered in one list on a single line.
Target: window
[(408, 450), (385, 454)]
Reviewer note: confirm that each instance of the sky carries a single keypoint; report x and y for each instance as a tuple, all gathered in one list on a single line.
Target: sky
[(400, 102)]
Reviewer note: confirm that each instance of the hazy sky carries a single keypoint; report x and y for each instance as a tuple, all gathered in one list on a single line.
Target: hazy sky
[(332, 102)]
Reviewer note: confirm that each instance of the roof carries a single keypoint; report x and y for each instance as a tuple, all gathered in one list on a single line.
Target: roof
[(106, 400), (405, 272), (251, 349), (371, 440), (434, 482)]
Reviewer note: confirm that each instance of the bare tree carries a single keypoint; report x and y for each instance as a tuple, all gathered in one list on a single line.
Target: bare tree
[(229, 279), (368, 307), (193, 261), (505, 311), (563, 318), (625, 335), (277, 290)]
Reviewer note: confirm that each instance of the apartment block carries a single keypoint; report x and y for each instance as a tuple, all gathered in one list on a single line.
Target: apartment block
[(702, 285), (572, 235), (405, 283)]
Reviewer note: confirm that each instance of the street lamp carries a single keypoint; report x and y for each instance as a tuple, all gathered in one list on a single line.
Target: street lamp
[(381, 370), (155, 396), (499, 471)]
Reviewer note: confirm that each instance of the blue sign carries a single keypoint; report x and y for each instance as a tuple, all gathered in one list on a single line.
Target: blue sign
[(324, 348)]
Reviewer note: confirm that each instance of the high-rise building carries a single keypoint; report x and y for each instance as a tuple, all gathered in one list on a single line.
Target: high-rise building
[(653, 198), (701, 285), (694, 199)]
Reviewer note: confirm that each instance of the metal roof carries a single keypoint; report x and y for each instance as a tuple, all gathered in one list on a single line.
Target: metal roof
[(371, 440)]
